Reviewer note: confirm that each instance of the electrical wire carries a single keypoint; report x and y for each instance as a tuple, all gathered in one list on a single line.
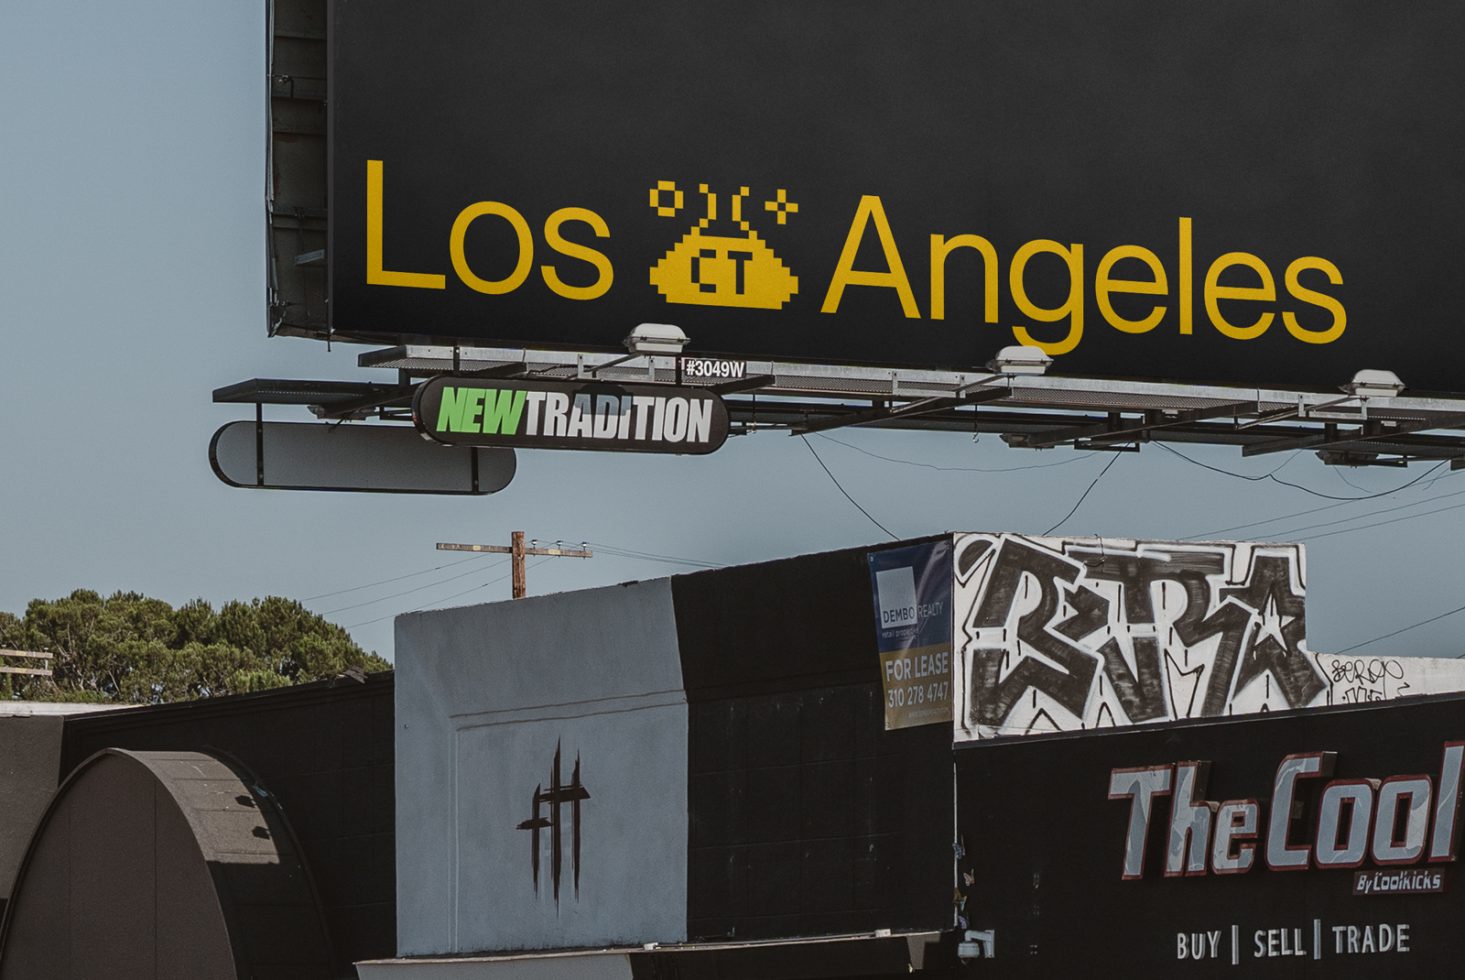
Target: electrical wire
[(1371, 513), (1338, 472), (1365, 527), (842, 490), (660, 561), (1270, 520), (1405, 629), (1445, 475), (613, 550), (1296, 486), (1083, 496), (398, 595), (1318, 510), (950, 469), (388, 581), (450, 598), (618, 552)]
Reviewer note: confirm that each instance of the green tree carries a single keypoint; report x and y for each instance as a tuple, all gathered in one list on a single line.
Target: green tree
[(131, 648)]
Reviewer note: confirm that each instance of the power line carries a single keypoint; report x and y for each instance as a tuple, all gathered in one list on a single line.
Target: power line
[(1254, 478), (398, 595), (842, 490), (1405, 629), (611, 549), (1084, 495), (1269, 520), (1445, 475), (950, 469), (1338, 472), (1371, 513), (1318, 510), (619, 552), (1395, 520), (388, 581), (660, 561), (450, 598)]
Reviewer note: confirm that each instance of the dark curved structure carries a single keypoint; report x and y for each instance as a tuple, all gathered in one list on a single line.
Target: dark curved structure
[(163, 865)]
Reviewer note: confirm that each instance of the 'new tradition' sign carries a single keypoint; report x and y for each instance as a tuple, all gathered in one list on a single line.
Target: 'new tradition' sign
[(593, 415)]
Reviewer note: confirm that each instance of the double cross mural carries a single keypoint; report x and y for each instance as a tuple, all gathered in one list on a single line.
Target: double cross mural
[(555, 798)]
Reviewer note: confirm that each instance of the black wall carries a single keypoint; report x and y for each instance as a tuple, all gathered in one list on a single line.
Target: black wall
[(324, 751), (806, 816), (29, 748), (1046, 846)]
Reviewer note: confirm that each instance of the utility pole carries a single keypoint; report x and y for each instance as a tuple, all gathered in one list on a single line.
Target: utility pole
[(517, 552)]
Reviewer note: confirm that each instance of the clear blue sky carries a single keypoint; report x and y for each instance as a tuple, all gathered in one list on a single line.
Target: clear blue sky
[(132, 142)]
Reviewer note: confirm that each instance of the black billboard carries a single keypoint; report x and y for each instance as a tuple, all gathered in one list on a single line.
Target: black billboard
[(1255, 192), (1318, 843)]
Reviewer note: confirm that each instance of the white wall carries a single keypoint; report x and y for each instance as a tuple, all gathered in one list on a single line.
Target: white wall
[(1066, 634), (1075, 633), (1363, 679)]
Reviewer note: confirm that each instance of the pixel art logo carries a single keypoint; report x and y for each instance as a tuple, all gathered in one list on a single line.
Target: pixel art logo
[(711, 269)]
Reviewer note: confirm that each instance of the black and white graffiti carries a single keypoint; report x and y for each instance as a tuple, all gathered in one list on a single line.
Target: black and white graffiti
[(1060, 634)]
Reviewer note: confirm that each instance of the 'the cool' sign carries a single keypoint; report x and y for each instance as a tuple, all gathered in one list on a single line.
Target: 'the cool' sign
[(595, 415)]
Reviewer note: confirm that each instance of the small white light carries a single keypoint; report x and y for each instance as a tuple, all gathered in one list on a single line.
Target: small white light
[(656, 338), (1370, 383), (1018, 359)]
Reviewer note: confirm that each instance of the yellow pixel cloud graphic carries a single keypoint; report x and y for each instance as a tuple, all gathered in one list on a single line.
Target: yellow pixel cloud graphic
[(709, 269)]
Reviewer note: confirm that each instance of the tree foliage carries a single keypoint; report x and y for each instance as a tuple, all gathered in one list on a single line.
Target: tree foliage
[(130, 648)]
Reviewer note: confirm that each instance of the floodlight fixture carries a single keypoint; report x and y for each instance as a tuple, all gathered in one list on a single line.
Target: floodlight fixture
[(1370, 383), (656, 338), (1018, 359)]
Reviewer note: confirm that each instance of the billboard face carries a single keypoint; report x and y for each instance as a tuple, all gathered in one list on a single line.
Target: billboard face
[(1311, 844), (1257, 193)]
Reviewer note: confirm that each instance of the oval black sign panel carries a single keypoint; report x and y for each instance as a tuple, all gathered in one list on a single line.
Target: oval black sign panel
[(363, 458), (595, 415)]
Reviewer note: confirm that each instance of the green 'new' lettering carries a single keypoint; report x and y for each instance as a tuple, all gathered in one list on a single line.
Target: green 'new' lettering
[(502, 413), (450, 412), (460, 408)]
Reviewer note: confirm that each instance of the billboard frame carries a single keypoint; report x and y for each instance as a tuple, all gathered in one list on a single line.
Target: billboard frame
[(1028, 411), (1090, 413)]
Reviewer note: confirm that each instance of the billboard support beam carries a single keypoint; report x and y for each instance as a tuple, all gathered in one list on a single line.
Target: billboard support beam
[(882, 414), (1034, 411), (1328, 439), (390, 398), (753, 383), (1105, 433)]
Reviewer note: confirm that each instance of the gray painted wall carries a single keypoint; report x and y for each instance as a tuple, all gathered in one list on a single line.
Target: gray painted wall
[(485, 696)]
